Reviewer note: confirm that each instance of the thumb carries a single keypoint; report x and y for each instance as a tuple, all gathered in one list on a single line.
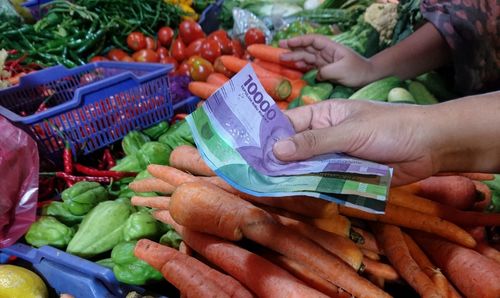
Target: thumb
[(315, 142), (333, 71)]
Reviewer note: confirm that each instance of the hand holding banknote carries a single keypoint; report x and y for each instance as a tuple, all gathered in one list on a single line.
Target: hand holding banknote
[(389, 134)]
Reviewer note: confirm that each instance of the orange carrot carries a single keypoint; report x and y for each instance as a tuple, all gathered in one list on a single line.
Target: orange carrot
[(337, 224), (207, 208), (379, 269), (305, 206), (297, 86), (455, 191), (369, 242), (187, 158), (282, 105), (484, 196), (338, 245), (261, 276), (288, 73), (235, 64), (277, 87), (483, 248), (473, 176), (190, 276), (391, 239), (474, 274), (370, 254), (267, 53), (153, 202), (408, 218), (151, 184), (379, 281), (217, 79), (202, 89), (464, 218)]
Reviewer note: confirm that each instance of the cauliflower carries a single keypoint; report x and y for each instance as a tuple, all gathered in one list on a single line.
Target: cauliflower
[(4, 75), (383, 17)]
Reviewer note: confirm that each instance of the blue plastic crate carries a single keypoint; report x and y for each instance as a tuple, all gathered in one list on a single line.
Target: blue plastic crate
[(186, 106), (209, 18), (94, 105)]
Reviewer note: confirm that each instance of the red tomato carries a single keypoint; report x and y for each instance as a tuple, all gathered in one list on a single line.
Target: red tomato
[(127, 59), (210, 50), (199, 68), (194, 48), (169, 60), (220, 68), (136, 41), (237, 47), (224, 41), (146, 55), (183, 69), (162, 52), (116, 54), (150, 43), (178, 50), (98, 59), (190, 31), (165, 36), (254, 35)]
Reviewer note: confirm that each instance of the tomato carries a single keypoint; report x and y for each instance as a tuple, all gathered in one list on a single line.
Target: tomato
[(254, 35), (237, 47), (116, 54), (224, 41), (98, 59), (220, 68), (194, 48), (183, 69), (150, 43), (136, 41), (210, 50), (190, 31), (199, 68), (169, 60), (178, 50), (162, 52), (165, 36), (146, 55), (127, 59)]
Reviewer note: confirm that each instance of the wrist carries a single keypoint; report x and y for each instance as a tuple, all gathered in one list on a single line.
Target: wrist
[(378, 68)]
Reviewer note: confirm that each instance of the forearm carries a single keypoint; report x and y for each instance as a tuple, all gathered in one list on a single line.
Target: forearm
[(421, 52), (465, 133)]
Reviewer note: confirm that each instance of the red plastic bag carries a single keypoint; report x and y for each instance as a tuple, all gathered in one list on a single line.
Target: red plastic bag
[(18, 182)]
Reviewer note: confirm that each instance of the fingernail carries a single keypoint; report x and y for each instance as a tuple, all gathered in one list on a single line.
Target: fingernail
[(284, 148)]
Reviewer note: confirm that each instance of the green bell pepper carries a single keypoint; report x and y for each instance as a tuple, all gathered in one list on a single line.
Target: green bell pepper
[(129, 269), (133, 141), (310, 77), (316, 93), (83, 196), (140, 225), (154, 132), (171, 238), (149, 153), (60, 211), (47, 230)]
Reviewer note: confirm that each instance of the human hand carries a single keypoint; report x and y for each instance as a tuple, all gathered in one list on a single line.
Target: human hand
[(389, 134), (335, 62)]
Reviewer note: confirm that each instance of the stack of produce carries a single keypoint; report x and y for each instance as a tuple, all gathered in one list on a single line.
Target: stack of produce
[(305, 247)]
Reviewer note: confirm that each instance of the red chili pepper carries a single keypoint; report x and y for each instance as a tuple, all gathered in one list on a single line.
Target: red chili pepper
[(67, 159), (108, 158), (43, 203), (99, 173), (72, 179), (178, 117), (46, 187)]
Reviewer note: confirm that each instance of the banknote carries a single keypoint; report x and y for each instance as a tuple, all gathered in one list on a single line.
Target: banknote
[(248, 118)]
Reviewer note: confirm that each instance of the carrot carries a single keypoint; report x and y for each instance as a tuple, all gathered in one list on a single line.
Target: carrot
[(151, 184), (187, 158), (185, 249), (207, 208), (217, 79), (464, 218), (483, 248), (282, 105), (484, 195), (426, 265), (190, 276), (297, 86), (305, 206), (288, 73), (277, 87), (473, 176), (474, 274), (202, 89), (370, 254), (338, 245), (153, 202), (267, 53), (408, 218), (235, 64), (455, 191), (478, 233), (379, 269), (379, 281), (337, 224), (391, 239), (261, 276), (369, 242)]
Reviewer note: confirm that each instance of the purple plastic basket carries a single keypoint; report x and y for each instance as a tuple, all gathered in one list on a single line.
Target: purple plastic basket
[(92, 106)]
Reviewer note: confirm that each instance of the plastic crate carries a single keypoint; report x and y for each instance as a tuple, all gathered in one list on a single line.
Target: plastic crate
[(209, 18), (95, 105), (186, 106)]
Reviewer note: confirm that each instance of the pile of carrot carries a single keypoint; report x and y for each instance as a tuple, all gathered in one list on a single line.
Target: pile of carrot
[(305, 247), (282, 81)]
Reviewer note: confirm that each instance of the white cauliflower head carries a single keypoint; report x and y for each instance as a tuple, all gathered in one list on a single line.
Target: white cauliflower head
[(382, 17)]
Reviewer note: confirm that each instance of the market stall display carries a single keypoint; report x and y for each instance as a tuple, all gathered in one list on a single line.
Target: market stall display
[(128, 205)]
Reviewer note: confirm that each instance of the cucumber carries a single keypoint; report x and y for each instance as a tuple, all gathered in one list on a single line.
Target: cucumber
[(400, 95), (421, 94), (378, 90), (436, 85)]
